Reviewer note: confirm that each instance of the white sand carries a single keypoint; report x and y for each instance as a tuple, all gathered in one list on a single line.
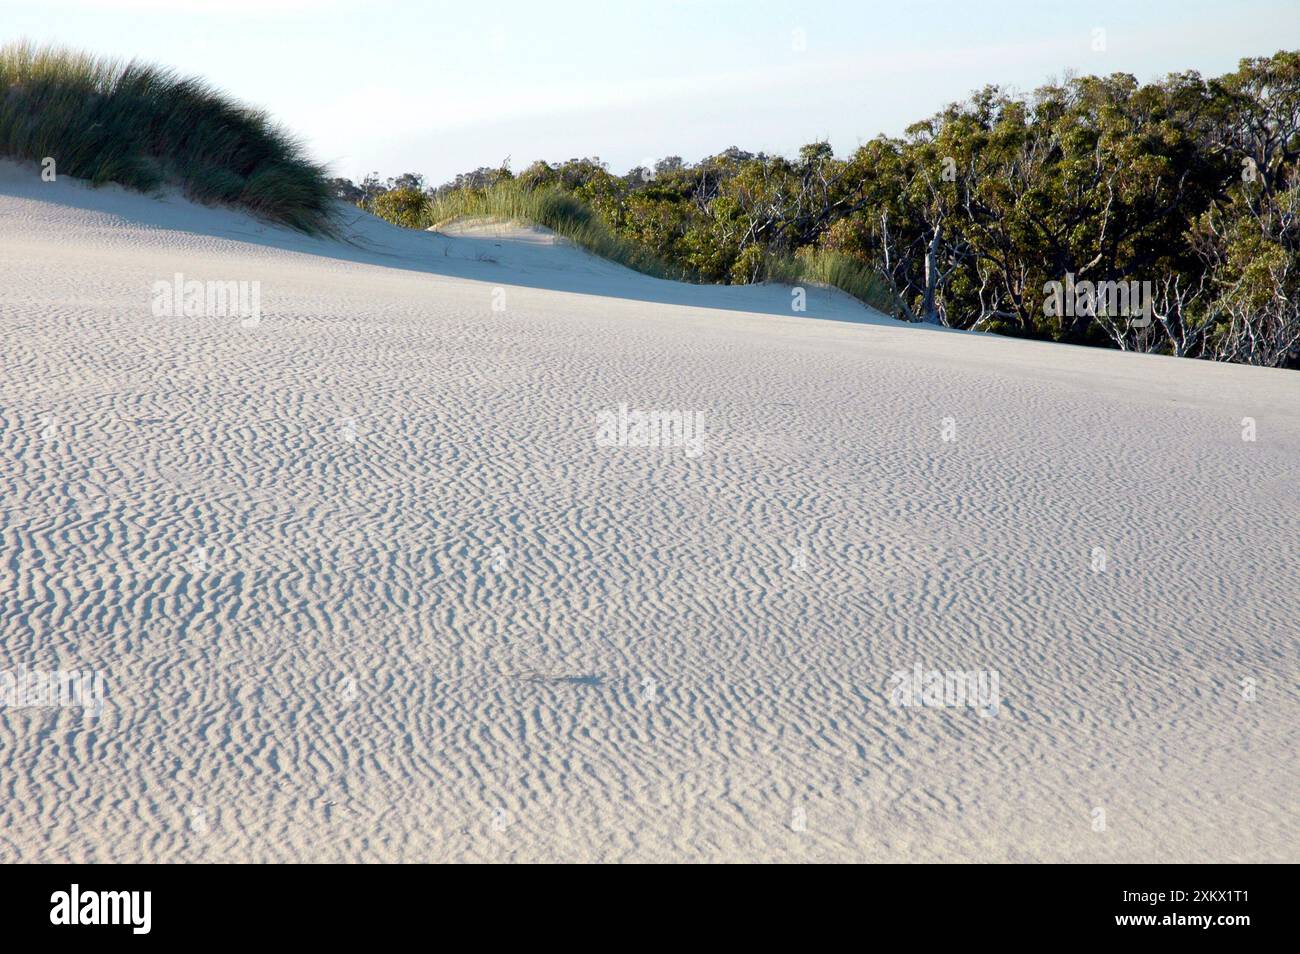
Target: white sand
[(471, 633)]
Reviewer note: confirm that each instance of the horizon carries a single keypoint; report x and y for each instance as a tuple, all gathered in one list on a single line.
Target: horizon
[(689, 80)]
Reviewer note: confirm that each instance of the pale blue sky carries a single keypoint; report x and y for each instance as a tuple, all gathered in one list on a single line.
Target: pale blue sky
[(440, 88)]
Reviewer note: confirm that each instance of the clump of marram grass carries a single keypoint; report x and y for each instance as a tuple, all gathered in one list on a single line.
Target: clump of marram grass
[(547, 206), (141, 126), (825, 267)]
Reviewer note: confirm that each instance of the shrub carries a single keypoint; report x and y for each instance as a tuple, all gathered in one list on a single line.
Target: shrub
[(406, 207)]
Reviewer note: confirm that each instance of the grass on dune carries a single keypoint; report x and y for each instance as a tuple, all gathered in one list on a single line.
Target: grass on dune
[(563, 214), (571, 217), (818, 266), (140, 126)]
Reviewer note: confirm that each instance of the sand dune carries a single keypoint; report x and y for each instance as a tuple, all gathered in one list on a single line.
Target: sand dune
[(364, 583)]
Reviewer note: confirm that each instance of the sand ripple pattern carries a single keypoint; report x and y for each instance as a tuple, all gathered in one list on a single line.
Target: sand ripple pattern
[(365, 587)]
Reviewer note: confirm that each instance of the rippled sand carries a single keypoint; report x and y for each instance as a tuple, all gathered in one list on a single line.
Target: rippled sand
[(364, 585)]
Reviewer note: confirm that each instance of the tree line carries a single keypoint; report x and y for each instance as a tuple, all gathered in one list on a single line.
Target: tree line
[(1161, 217)]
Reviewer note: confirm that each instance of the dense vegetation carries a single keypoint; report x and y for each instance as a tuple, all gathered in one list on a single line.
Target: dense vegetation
[(141, 126), (1189, 187)]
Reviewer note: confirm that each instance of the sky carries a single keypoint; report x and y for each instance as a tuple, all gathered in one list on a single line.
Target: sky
[(440, 88)]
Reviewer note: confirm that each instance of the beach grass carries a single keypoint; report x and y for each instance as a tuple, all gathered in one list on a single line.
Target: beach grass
[(572, 218), (819, 266), (563, 214), (143, 126)]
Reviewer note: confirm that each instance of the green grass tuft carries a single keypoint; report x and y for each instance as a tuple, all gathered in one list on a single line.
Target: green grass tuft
[(819, 266), (549, 207), (141, 126)]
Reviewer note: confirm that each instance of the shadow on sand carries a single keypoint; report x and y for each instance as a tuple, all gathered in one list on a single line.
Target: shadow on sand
[(495, 253)]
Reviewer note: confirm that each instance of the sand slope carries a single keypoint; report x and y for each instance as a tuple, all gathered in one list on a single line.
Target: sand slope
[(434, 620)]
